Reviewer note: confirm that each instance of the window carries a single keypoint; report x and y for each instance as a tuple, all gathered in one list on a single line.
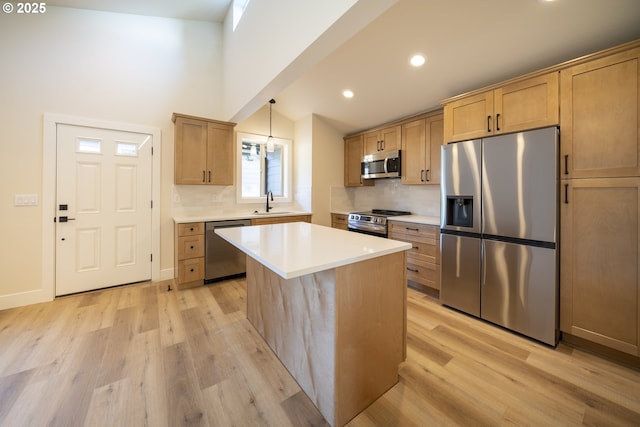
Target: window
[(260, 171), (239, 7)]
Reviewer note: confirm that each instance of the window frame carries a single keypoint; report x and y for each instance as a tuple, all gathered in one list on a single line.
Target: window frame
[(287, 162)]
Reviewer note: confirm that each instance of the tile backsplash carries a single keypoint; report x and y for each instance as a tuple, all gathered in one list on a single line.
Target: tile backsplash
[(388, 194)]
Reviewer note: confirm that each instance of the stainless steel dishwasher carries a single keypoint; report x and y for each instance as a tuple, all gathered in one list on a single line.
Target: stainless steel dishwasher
[(222, 259)]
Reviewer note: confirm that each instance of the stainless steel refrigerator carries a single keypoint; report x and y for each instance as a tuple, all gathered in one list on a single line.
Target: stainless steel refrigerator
[(499, 228)]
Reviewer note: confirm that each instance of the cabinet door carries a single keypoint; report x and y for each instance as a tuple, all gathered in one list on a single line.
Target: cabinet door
[(599, 293), (529, 104), (435, 139), (469, 118), (353, 153), (190, 151), (391, 138), (219, 154), (372, 142), (414, 145), (599, 117)]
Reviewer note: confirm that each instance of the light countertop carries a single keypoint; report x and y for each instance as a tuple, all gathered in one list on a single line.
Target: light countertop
[(296, 249), (223, 216), (418, 219)]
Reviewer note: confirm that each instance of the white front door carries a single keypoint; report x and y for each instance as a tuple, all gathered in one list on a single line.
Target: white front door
[(103, 208)]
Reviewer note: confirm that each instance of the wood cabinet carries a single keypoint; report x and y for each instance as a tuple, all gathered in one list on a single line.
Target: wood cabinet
[(203, 151), (280, 219), (380, 140), (353, 154), (339, 221), (423, 259), (600, 289), (189, 249), (521, 105), (600, 201), (599, 118), (421, 142)]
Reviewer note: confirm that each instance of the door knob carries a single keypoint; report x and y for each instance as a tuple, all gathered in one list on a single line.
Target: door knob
[(65, 219)]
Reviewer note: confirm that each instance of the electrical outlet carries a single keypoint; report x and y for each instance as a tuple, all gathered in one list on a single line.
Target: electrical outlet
[(26, 200)]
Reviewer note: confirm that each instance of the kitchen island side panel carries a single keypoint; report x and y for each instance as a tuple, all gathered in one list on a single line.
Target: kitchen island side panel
[(341, 333), (296, 318)]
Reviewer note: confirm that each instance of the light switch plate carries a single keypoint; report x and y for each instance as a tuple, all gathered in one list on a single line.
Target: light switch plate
[(26, 200)]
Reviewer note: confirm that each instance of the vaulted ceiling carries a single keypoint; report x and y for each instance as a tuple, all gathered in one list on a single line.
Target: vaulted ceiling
[(468, 44)]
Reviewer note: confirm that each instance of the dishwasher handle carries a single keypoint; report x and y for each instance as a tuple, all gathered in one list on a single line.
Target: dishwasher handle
[(212, 225)]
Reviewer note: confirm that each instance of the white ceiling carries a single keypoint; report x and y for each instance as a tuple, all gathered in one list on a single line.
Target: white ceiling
[(469, 44)]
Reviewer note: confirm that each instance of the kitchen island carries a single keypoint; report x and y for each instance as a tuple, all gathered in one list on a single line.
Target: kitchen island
[(331, 304)]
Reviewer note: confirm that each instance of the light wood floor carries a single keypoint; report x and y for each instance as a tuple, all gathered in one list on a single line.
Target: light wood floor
[(141, 356)]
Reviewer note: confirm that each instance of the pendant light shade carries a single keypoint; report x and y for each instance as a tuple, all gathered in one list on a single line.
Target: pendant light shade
[(270, 144)]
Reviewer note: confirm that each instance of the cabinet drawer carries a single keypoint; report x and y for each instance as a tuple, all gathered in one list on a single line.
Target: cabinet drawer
[(190, 270), (424, 273), (414, 230), (190, 246), (429, 252), (191, 229)]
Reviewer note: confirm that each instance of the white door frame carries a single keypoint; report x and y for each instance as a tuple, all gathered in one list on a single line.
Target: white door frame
[(49, 192)]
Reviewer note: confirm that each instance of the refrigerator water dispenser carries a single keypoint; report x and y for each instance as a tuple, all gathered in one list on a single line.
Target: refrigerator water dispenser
[(460, 211)]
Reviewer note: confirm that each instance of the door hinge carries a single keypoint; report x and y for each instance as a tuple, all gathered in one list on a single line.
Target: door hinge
[(152, 151), (151, 257), (152, 204)]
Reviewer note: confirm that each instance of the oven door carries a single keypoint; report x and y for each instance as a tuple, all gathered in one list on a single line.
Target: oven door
[(370, 229)]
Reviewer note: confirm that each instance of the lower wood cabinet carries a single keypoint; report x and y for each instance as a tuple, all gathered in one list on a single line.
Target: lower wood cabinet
[(423, 260), (280, 219), (189, 254), (599, 284), (339, 221)]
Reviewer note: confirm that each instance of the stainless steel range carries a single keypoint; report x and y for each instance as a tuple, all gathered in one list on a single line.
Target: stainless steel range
[(373, 222)]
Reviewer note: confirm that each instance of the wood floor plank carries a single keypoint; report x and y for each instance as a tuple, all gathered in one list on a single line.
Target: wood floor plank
[(142, 355)]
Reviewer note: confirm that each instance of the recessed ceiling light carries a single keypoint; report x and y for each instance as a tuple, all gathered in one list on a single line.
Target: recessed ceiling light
[(347, 93), (417, 60)]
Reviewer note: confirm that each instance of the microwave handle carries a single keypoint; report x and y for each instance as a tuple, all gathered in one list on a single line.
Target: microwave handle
[(386, 170)]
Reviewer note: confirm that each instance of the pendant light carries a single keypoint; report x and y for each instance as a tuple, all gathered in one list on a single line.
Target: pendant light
[(270, 143)]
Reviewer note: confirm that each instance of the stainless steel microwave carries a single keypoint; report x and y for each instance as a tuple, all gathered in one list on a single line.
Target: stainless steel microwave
[(381, 165)]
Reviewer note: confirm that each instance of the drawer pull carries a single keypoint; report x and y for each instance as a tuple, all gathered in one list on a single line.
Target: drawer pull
[(412, 229), (192, 270), (191, 229), (191, 247), (413, 270)]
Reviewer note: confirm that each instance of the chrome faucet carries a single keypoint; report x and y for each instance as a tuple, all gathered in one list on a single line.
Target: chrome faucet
[(268, 208)]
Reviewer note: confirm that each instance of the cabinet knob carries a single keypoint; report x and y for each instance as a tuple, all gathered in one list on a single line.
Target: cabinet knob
[(191, 247), (191, 229), (191, 270)]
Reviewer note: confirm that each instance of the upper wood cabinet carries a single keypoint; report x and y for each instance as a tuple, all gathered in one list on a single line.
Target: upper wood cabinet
[(600, 108), (387, 139), (421, 142), (203, 151), (526, 104), (353, 153)]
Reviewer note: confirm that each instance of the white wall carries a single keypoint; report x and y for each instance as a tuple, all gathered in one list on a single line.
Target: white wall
[(106, 66), (328, 168), (293, 36)]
